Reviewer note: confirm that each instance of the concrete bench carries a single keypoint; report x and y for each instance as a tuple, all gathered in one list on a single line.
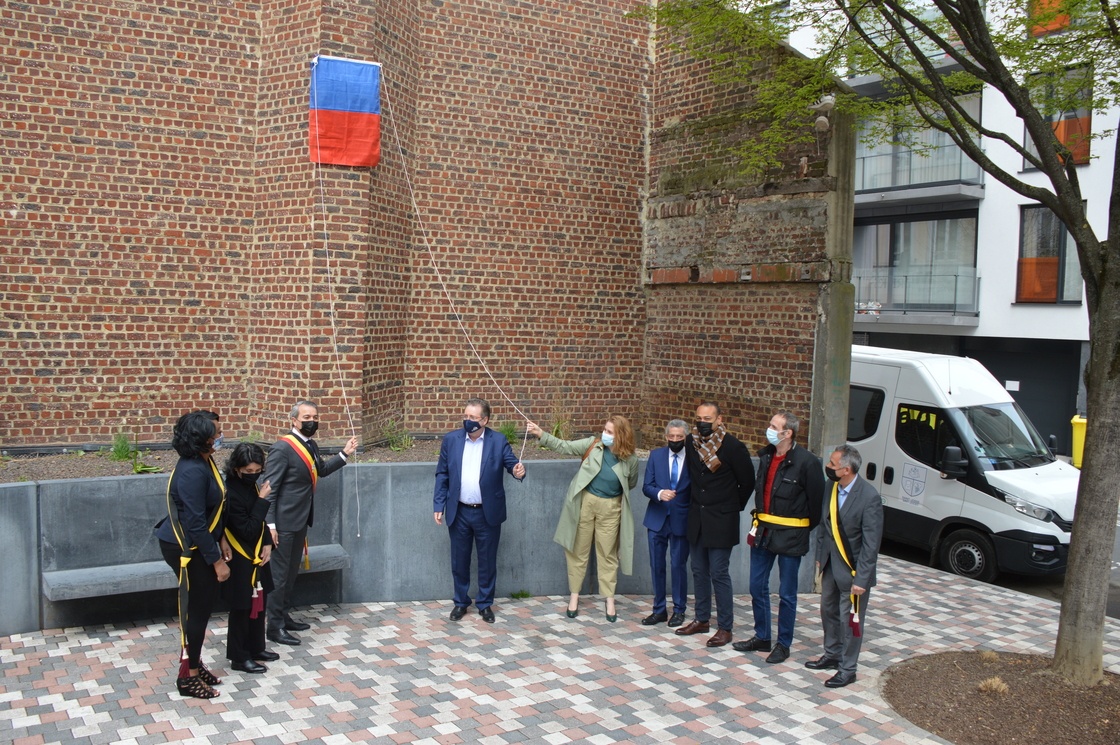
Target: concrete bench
[(93, 582)]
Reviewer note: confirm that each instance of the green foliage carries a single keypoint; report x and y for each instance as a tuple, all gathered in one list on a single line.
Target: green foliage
[(510, 429), (253, 436), (122, 447), (395, 437), (521, 595), (140, 467)]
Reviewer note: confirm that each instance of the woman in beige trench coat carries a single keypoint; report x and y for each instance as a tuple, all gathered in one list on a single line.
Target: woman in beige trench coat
[(597, 507)]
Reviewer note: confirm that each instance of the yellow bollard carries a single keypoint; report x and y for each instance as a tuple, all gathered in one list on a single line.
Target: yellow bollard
[(1078, 423)]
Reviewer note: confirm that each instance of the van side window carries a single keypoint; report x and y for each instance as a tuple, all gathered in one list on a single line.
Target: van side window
[(923, 433), (865, 408)]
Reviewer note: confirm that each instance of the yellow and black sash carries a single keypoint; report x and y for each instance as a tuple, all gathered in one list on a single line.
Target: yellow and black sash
[(255, 559), (305, 455), (185, 556), (845, 553)]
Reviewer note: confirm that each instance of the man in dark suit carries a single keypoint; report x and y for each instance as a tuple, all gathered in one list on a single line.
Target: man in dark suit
[(847, 549), (787, 506), (470, 494), (666, 521), (293, 469), (722, 476)]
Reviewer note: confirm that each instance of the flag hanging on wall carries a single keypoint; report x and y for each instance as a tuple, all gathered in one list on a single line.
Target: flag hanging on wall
[(345, 114)]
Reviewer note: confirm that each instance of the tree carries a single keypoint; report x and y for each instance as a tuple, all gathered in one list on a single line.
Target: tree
[(1044, 57)]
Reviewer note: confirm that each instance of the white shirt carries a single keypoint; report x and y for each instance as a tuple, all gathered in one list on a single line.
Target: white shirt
[(470, 491)]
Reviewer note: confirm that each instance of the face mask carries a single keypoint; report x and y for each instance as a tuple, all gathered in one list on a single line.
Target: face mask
[(608, 440), (704, 428), (831, 473), (772, 436), (249, 479), (309, 428), (218, 442), (677, 446), (471, 426)]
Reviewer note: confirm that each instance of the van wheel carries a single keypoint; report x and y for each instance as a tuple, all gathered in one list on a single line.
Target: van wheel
[(969, 554)]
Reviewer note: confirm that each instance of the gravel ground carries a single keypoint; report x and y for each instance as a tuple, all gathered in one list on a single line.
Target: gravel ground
[(93, 465)]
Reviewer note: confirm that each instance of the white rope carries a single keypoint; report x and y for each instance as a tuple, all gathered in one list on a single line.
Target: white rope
[(330, 294), (435, 267)]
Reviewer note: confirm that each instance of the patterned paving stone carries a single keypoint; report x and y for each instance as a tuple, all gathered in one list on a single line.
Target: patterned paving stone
[(386, 673)]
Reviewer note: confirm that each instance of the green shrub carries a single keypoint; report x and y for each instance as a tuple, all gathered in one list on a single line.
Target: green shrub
[(122, 448)]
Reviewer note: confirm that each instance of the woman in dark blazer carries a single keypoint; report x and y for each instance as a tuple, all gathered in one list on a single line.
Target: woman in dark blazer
[(192, 532), (250, 576)]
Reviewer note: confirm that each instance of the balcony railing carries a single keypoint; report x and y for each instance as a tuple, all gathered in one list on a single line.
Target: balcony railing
[(902, 168), (884, 291)]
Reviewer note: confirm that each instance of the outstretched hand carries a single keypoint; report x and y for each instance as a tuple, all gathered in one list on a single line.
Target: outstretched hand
[(534, 429)]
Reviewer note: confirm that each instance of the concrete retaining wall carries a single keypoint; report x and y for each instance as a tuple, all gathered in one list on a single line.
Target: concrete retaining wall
[(380, 513)]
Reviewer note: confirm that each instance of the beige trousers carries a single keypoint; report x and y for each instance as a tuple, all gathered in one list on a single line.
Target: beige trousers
[(599, 520)]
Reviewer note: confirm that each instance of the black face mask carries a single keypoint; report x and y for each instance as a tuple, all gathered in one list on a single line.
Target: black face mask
[(250, 479), (308, 428), (676, 446), (831, 473), (704, 428)]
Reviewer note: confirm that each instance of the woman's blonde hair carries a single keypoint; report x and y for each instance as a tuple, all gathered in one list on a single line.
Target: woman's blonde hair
[(623, 446)]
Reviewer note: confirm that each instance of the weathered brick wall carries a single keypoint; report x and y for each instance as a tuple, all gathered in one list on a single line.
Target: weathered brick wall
[(733, 262), (126, 215), (529, 175)]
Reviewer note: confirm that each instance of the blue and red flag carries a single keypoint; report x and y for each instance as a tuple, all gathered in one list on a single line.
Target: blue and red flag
[(345, 114)]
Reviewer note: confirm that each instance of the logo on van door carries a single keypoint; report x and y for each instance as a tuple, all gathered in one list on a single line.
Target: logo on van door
[(913, 483)]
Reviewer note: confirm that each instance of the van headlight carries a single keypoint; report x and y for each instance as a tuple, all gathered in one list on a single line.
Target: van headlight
[(1027, 508)]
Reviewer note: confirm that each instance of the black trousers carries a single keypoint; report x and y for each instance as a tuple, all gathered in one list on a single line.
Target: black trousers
[(200, 600), (285, 567), (245, 636)]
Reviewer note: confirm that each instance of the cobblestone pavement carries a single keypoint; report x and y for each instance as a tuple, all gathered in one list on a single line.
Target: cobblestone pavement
[(401, 672)]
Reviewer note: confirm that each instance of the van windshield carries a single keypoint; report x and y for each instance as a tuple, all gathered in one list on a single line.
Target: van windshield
[(1004, 438)]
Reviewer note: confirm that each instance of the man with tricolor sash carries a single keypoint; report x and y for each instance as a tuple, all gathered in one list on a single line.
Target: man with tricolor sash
[(847, 550), (293, 469), (787, 506)]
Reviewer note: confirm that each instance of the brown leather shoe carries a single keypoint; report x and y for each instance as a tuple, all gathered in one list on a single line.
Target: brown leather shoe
[(720, 638), (693, 627)]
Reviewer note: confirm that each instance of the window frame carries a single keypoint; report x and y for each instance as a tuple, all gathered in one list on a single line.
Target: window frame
[(1065, 243)]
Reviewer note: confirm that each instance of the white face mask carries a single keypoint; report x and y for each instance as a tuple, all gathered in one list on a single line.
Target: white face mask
[(772, 436), (608, 440)]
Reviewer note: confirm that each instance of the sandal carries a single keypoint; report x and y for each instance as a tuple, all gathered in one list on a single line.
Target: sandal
[(195, 687), (208, 677)]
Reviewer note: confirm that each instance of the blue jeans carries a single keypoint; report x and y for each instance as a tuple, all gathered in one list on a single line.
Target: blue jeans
[(762, 561), (710, 570)]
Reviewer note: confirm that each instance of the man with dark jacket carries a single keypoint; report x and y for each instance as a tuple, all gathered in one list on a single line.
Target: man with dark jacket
[(722, 476), (787, 506)]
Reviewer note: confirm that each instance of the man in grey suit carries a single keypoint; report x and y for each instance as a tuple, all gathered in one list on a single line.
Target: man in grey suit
[(293, 469), (847, 549)]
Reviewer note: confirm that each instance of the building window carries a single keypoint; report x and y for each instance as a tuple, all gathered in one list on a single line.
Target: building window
[(1049, 16), (865, 407), (1049, 271), (1066, 102), (903, 264)]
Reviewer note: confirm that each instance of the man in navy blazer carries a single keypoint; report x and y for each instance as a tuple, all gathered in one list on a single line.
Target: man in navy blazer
[(471, 495), (666, 523)]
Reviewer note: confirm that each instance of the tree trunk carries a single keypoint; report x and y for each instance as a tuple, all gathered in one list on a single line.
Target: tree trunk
[(1078, 655)]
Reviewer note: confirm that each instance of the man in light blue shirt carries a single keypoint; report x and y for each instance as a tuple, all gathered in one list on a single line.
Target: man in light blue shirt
[(470, 493)]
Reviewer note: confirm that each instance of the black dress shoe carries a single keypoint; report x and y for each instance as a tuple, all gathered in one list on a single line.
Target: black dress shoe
[(283, 637), (655, 618), (780, 654), (839, 680), (487, 614), (290, 625), (754, 644), (266, 656), (458, 612), (824, 663), (676, 620), (248, 666)]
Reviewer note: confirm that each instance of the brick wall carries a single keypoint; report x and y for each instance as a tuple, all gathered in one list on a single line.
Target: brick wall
[(167, 245)]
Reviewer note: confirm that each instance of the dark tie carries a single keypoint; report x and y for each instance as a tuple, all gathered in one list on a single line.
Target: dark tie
[(673, 474), (314, 450)]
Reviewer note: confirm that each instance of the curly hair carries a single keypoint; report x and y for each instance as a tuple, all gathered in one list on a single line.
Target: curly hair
[(243, 455), (192, 433)]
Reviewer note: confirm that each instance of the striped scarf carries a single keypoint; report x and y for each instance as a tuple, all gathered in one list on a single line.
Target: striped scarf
[(709, 446)]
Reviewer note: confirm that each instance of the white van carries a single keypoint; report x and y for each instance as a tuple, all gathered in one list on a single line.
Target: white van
[(961, 469)]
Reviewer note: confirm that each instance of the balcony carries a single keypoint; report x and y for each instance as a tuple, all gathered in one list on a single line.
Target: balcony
[(904, 168), (927, 298)]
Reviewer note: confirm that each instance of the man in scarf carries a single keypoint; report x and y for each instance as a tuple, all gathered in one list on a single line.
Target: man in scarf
[(722, 482)]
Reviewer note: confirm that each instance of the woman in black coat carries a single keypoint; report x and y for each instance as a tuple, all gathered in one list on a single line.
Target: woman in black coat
[(192, 532), (250, 576)]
